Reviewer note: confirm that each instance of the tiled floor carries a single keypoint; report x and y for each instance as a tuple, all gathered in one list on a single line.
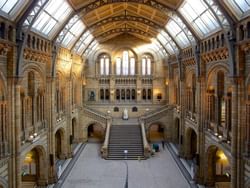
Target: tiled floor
[(91, 171)]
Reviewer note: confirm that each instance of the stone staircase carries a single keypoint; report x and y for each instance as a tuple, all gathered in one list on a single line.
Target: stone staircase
[(125, 137)]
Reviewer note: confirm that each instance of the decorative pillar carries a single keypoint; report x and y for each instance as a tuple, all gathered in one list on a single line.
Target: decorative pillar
[(234, 148), (181, 97), (201, 116), (17, 135), (68, 110), (50, 112)]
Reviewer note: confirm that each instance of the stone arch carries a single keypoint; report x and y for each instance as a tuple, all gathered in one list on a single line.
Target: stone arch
[(60, 143), (35, 67), (100, 52), (95, 132), (34, 166), (213, 70), (191, 143), (155, 132), (218, 166)]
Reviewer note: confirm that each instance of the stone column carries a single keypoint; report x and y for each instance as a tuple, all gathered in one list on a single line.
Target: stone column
[(248, 129), (201, 116), (234, 148), (50, 113), (17, 135), (69, 118), (182, 119)]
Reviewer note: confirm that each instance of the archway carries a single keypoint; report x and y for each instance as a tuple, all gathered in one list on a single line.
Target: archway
[(176, 131), (155, 132), (59, 136), (218, 168), (96, 133), (33, 167), (191, 143)]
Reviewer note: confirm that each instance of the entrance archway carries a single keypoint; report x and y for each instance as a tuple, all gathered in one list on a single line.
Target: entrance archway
[(96, 133), (155, 132), (59, 137), (218, 168), (33, 167), (191, 143)]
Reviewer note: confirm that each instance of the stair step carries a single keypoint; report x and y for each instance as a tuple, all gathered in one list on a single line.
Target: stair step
[(125, 137)]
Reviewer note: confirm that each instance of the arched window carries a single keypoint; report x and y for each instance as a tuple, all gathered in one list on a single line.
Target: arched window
[(146, 65), (126, 64), (104, 65)]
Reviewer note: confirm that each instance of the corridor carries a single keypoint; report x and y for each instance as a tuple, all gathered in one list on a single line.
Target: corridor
[(91, 171)]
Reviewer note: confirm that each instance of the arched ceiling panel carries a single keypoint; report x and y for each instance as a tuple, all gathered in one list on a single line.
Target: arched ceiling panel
[(177, 23)]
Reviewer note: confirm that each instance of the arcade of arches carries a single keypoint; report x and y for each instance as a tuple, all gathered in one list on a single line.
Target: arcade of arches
[(69, 66)]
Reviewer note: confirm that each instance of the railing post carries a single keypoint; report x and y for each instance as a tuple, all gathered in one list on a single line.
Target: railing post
[(104, 150), (147, 149)]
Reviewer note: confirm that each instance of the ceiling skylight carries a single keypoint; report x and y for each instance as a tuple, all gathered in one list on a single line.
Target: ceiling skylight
[(71, 32), (52, 16), (240, 7), (177, 33), (199, 16)]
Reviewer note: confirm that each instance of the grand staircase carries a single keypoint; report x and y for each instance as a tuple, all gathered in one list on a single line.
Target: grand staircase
[(125, 136)]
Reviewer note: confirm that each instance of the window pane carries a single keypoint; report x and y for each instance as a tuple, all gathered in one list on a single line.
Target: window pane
[(132, 66), (148, 66), (177, 33), (199, 16), (52, 16), (143, 66), (49, 26), (125, 63), (8, 5), (118, 66), (102, 66), (107, 66), (243, 4), (41, 21)]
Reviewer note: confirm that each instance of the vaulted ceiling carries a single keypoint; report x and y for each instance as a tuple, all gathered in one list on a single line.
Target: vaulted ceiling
[(108, 18)]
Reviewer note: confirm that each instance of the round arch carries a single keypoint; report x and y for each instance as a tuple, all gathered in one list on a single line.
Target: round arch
[(218, 167), (155, 132), (95, 132), (34, 166), (191, 143), (60, 143)]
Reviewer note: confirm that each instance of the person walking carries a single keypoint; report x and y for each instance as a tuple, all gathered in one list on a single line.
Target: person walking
[(163, 144)]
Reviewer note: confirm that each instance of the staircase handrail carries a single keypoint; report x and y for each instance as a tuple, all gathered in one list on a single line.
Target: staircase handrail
[(94, 111), (146, 146), (98, 116), (155, 114), (104, 150), (155, 110)]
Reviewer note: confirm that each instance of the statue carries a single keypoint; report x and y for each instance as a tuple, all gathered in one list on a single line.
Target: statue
[(125, 114)]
